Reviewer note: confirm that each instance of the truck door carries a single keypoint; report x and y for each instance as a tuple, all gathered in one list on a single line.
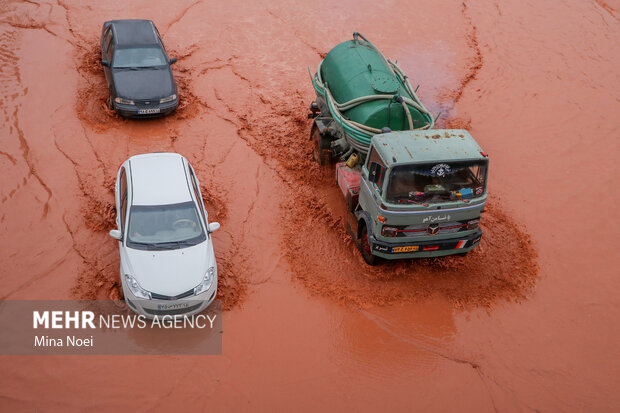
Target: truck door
[(373, 175)]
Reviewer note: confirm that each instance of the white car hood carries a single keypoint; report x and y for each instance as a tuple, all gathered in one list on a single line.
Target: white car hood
[(169, 272)]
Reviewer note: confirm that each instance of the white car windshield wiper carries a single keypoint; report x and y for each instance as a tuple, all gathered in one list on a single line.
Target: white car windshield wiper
[(156, 245), (184, 242), (171, 245)]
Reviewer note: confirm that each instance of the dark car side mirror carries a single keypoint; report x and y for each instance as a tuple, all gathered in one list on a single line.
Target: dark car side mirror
[(173, 60), (104, 63)]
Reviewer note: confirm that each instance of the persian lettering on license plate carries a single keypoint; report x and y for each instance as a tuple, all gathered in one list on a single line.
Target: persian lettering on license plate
[(147, 111), (405, 249)]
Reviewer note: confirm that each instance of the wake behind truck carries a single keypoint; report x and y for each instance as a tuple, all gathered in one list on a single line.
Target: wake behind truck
[(414, 191)]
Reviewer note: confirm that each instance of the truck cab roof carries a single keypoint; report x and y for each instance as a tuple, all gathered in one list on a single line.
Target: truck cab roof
[(406, 147)]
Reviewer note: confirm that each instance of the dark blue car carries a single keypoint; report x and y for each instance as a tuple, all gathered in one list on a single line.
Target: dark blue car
[(137, 69)]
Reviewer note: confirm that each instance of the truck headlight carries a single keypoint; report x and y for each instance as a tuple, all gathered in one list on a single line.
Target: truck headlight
[(136, 289), (473, 224), (389, 232), (207, 281), (168, 99), (124, 101)]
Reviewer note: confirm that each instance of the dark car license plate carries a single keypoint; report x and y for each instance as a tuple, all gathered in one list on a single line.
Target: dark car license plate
[(148, 111)]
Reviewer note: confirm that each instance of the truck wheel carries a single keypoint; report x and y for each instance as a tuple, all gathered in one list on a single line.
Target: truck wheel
[(322, 156), (364, 246)]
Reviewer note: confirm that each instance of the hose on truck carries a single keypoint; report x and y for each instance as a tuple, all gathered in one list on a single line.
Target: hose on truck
[(357, 134)]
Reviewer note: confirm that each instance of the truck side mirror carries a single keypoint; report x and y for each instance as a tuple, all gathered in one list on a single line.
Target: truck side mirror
[(173, 60), (214, 226), (104, 63), (375, 172)]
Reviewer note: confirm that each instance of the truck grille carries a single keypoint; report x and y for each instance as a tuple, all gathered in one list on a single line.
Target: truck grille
[(417, 230)]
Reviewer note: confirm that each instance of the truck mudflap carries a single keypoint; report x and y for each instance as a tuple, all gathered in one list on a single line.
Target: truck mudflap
[(425, 248)]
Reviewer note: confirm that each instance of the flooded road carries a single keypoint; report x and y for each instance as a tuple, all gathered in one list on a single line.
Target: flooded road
[(527, 321)]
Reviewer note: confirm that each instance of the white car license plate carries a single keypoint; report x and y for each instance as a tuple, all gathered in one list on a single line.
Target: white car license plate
[(148, 111)]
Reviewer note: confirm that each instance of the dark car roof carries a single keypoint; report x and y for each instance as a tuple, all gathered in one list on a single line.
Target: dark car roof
[(134, 32)]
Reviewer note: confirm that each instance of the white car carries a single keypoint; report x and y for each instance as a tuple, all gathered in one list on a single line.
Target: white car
[(167, 261)]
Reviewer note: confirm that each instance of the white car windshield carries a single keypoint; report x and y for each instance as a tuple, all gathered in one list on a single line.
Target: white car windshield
[(164, 226), (438, 182), (138, 57)]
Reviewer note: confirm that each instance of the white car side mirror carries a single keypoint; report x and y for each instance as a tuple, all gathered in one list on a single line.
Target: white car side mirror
[(214, 226), (116, 234)]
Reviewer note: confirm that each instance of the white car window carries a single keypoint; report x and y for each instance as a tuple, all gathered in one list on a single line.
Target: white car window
[(163, 225)]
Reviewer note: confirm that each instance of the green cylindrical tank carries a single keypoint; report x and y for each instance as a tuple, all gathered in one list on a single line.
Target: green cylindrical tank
[(356, 69)]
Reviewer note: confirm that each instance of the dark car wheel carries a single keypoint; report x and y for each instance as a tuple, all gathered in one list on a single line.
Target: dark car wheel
[(110, 102), (365, 248)]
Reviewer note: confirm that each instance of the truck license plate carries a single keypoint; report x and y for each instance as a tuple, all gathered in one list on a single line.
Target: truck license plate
[(147, 111), (405, 249)]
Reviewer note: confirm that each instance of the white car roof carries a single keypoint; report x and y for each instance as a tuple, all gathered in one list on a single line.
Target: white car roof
[(159, 179)]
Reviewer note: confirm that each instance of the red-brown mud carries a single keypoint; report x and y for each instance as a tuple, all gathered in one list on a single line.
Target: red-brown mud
[(523, 322), (503, 267)]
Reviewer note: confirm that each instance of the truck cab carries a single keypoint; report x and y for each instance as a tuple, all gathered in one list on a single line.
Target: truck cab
[(417, 194)]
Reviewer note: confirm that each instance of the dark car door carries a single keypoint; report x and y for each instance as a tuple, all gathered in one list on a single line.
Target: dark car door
[(107, 50)]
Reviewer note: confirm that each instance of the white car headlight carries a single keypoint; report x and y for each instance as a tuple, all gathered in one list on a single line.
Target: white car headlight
[(168, 99), (124, 101), (136, 289), (207, 281)]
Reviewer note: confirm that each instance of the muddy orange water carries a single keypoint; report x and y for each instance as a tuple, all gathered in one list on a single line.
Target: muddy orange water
[(529, 321)]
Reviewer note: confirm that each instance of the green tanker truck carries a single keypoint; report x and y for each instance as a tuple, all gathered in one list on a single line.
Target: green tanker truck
[(413, 191)]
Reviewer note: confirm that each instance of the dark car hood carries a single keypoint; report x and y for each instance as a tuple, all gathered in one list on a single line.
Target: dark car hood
[(143, 83)]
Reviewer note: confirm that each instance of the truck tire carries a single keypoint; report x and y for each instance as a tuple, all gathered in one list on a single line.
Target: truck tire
[(322, 156), (350, 205), (364, 246)]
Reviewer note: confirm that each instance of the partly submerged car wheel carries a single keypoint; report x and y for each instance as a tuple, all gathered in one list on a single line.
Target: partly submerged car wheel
[(110, 102), (365, 249), (322, 156)]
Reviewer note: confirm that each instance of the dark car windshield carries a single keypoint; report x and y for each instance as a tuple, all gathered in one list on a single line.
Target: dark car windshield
[(138, 57), (438, 182), (164, 226)]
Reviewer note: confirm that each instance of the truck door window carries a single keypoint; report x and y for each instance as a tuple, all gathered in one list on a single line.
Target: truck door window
[(376, 169)]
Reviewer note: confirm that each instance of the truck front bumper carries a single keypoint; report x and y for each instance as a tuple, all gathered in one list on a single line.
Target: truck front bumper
[(427, 248)]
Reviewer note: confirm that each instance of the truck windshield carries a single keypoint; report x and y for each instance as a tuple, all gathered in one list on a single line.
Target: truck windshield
[(437, 182), (164, 226)]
